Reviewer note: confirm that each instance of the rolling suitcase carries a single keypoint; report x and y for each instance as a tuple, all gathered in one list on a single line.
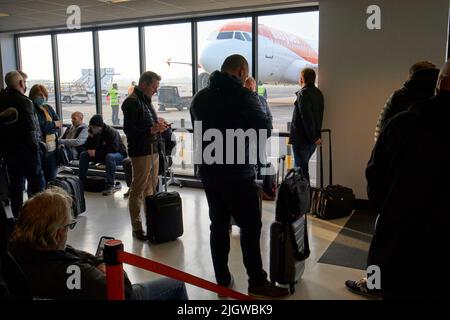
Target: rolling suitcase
[(334, 201), (289, 248), (164, 215)]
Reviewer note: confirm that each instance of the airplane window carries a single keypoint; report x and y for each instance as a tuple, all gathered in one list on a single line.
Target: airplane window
[(238, 35), (225, 35), (247, 36)]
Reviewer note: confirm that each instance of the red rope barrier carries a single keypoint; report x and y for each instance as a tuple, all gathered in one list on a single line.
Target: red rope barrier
[(167, 271)]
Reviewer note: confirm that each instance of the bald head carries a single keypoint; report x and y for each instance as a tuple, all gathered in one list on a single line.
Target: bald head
[(236, 65), (250, 84), (77, 118), (443, 83)]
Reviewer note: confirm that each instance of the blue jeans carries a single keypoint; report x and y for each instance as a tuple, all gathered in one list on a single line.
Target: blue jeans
[(160, 289), (302, 154), (111, 162)]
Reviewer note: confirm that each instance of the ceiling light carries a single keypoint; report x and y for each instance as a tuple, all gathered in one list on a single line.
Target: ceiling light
[(114, 1), (4, 14)]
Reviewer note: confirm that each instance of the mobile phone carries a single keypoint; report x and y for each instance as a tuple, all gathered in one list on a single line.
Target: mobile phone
[(101, 245)]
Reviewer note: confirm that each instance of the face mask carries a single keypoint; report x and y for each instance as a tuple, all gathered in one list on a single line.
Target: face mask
[(39, 101)]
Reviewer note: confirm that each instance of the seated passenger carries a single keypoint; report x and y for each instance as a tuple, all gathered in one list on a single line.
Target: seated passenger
[(103, 145), (38, 244), (75, 137)]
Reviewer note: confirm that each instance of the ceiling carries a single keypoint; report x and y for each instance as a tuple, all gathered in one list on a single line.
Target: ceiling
[(23, 15)]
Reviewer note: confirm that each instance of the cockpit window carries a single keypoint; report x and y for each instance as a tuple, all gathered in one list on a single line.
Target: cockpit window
[(247, 36), (239, 36), (213, 35), (225, 35)]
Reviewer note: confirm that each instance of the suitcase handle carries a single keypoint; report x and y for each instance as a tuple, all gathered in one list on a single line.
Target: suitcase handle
[(321, 159)]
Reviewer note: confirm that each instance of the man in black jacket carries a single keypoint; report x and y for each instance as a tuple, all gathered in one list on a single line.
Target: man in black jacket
[(306, 120), (411, 234), (420, 86), (20, 143), (224, 105), (103, 145), (142, 128)]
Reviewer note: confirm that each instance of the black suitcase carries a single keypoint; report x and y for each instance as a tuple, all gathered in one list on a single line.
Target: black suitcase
[(72, 185), (334, 201), (289, 248), (164, 214)]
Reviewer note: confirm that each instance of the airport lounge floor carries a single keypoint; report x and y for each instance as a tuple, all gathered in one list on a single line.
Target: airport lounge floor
[(108, 216)]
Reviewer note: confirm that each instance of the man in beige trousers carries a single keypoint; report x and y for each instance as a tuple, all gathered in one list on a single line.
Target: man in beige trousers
[(142, 128)]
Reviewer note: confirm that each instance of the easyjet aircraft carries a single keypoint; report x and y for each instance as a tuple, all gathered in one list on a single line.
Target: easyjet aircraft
[(282, 55)]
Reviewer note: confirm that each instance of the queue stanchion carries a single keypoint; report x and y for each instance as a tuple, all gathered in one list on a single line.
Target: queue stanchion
[(115, 288)]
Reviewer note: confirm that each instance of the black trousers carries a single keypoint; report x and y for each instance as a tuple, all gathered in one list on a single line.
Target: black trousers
[(240, 199)]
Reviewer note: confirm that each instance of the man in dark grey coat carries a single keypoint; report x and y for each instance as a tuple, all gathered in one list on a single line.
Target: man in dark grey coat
[(306, 120)]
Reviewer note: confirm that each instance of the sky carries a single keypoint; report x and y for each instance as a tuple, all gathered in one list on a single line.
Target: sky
[(119, 48)]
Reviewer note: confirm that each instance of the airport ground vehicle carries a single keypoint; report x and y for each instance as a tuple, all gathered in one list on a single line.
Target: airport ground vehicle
[(73, 92), (169, 97)]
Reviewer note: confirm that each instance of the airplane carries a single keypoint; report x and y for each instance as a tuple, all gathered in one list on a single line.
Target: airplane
[(281, 55)]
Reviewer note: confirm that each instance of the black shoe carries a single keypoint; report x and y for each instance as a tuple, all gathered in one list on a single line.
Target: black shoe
[(360, 287), (140, 235), (229, 286), (267, 290)]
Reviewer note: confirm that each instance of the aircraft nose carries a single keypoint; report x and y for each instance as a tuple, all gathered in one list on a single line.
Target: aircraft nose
[(209, 57)]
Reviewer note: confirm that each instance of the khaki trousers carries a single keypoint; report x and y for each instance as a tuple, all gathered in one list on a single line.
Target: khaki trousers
[(145, 179)]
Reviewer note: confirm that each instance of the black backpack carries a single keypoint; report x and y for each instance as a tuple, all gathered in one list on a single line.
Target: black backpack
[(293, 198)]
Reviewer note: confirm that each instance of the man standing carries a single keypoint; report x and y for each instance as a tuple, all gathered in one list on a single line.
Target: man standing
[(411, 199), (420, 86), (113, 95), (142, 128), (230, 187), (75, 137), (103, 145), (306, 120), (20, 143)]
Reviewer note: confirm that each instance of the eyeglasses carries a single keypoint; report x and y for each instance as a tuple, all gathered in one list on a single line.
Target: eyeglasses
[(71, 225)]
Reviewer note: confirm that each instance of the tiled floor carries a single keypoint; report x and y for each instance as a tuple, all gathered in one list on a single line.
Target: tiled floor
[(109, 216)]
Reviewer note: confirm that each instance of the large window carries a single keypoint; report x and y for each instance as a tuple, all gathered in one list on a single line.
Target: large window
[(76, 65), (119, 68), (287, 43), (37, 63), (169, 54), (219, 39)]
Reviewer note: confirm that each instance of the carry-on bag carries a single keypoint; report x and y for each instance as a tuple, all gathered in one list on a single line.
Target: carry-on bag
[(333, 201), (164, 215)]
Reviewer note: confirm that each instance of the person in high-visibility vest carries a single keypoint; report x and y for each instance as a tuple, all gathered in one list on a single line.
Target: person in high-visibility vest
[(113, 95), (262, 91)]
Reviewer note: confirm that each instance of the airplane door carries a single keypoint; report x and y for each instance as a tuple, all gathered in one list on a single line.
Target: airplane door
[(269, 48)]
